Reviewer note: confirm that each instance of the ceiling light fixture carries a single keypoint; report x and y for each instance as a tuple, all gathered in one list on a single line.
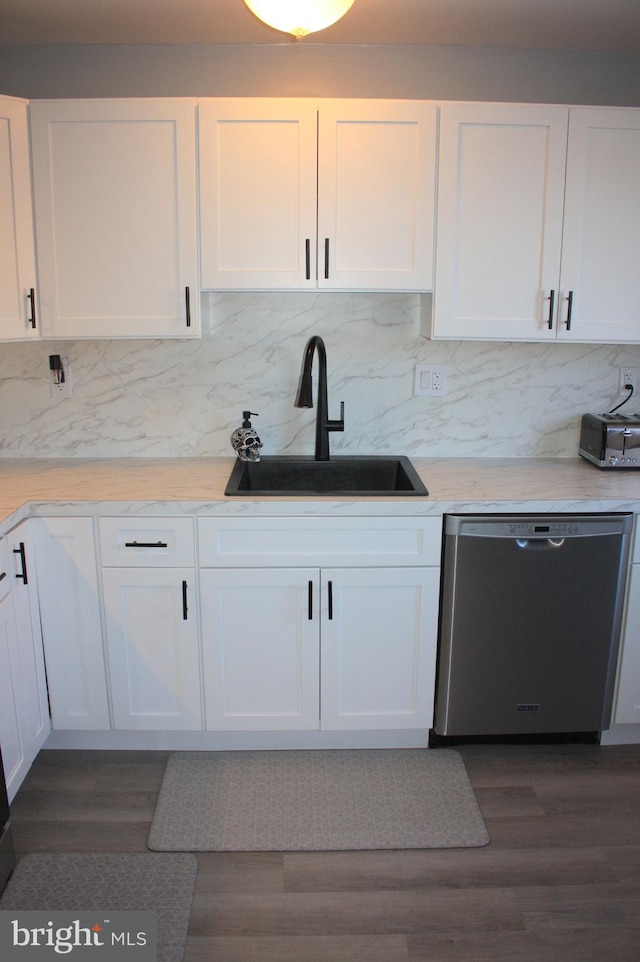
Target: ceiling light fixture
[(299, 17)]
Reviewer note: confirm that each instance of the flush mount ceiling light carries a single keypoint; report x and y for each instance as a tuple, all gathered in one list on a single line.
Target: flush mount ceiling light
[(299, 17)]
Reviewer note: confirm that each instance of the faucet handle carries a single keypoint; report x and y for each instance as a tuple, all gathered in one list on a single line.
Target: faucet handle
[(337, 425)]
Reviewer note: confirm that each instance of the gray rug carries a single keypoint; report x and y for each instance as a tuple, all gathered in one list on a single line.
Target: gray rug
[(115, 882), (294, 801)]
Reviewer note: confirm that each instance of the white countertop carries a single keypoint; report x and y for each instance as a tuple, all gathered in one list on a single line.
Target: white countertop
[(176, 486)]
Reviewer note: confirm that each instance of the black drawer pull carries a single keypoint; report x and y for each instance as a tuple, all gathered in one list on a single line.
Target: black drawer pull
[(31, 297), (3, 575), (23, 563), (330, 592), (310, 602), (146, 544), (569, 310), (185, 607)]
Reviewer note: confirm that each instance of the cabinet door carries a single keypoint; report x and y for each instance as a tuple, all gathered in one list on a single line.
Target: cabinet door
[(499, 225), (152, 643), (115, 191), (379, 636), (36, 723), (71, 623), (11, 711), (257, 193), (17, 262), (24, 718), (376, 183), (627, 707), (601, 239), (260, 640)]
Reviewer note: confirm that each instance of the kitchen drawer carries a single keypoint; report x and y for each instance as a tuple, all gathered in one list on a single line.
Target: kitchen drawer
[(5, 568), (147, 542), (292, 542)]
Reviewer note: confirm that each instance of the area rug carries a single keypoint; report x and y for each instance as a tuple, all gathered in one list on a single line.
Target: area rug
[(115, 882), (293, 801)]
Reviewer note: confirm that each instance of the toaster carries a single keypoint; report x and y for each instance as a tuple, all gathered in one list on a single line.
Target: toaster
[(611, 440)]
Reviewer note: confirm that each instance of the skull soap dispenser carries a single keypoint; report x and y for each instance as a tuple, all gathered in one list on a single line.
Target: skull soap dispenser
[(245, 441)]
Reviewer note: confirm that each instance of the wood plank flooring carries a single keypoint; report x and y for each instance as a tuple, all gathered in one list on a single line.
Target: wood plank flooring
[(560, 879)]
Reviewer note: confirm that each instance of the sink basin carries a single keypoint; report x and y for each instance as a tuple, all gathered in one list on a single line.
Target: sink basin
[(299, 476)]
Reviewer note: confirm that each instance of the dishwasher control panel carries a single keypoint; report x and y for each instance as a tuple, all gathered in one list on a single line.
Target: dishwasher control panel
[(524, 526)]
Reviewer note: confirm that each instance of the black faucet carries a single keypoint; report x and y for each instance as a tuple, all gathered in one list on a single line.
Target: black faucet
[(304, 397)]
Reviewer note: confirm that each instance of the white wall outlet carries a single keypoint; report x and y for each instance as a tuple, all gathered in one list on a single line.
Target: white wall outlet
[(628, 375), (430, 381), (62, 389)]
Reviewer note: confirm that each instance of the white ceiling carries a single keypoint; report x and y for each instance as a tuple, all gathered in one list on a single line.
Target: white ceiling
[(602, 25)]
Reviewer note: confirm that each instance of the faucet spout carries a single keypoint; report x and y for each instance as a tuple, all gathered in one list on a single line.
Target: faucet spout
[(304, 396)]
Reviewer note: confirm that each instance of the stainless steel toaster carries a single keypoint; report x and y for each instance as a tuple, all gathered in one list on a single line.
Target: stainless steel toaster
[(611, 440)]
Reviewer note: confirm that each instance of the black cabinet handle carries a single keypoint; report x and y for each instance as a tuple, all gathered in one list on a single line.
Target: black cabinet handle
[(3, 575), (326, 258), (310, 601), (23, 563), (330, 594), (146, 544), (569, 310), (307, 258), (552, 299), (187, 304), (185, 607), (31, 296)]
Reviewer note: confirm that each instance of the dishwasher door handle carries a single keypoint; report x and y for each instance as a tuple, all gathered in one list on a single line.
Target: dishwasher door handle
[(537, 544)]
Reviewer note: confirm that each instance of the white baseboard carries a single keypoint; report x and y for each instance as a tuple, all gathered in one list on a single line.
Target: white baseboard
[(235, 741), (621, 735)]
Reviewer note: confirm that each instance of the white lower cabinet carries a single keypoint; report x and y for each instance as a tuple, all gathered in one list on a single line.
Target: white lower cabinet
[(24, 714), (28, 622), (71, 623), (11, 740), (627, 706), (306, 649), (149, 590), (260, 648), (345, 646), (152, 646), (378, 631)]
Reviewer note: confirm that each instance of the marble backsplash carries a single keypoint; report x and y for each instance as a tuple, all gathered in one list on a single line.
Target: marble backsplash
[(184, 398)]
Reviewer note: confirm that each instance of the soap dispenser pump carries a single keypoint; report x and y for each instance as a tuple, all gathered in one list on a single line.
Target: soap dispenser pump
[(245, 441)]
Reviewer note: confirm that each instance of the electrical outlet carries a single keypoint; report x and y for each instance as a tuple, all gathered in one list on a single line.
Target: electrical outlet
[(430, 381), (628, 375), (65, 388)]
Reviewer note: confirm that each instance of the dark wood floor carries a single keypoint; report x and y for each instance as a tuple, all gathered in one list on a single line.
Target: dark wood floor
[(560, 879)]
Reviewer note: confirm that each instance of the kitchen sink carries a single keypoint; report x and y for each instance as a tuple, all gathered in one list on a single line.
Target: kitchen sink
[(299, 476)]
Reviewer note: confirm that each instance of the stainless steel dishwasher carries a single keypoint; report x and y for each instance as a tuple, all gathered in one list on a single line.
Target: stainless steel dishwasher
[(530, 623)]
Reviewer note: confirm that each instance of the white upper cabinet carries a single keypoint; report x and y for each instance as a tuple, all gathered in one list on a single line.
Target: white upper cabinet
[(116, 217), (499, 227), (600, 276), (300, 194), (257, 193), (376, 189), (521, 257), (17, 263)]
